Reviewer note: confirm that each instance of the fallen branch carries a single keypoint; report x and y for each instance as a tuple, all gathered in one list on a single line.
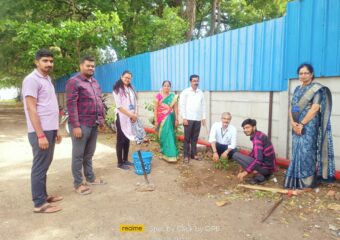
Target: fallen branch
[(274, 190)]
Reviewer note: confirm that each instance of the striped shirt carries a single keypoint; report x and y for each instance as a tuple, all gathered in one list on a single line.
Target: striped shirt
[(263, 153), (84, 101)]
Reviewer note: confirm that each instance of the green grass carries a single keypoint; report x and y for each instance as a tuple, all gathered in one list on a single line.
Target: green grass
[(8, 101)]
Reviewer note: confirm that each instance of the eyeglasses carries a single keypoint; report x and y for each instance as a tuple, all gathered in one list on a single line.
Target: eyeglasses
[(304, 73)]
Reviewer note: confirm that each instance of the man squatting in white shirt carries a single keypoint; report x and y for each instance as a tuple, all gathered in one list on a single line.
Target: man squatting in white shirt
[(223, 138)]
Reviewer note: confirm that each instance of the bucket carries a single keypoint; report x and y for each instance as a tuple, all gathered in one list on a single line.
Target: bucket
[(147, 158)]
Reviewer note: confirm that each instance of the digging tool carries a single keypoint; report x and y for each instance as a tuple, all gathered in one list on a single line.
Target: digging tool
[(147, 186), (287, 192), (272, 209)]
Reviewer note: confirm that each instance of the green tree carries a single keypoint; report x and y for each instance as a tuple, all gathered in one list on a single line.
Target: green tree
[(74, 27), (52, 11), (222, 15), (68, 40), (152, 33), (150, 25), (240, 13)]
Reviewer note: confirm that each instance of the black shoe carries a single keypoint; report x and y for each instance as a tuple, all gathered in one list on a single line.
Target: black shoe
[(258, 179), (128, 163), (123, 167)]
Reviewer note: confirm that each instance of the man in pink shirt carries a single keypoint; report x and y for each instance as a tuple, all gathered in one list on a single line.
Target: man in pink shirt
[(41, 110)]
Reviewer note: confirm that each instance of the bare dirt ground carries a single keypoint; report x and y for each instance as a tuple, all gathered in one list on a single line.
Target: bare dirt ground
[(183, 206)]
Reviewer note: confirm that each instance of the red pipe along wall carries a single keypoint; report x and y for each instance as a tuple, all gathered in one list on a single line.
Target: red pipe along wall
[(283, 162)]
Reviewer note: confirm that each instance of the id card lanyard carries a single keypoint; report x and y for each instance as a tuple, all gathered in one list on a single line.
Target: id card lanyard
[(131, 106), (223, 133)]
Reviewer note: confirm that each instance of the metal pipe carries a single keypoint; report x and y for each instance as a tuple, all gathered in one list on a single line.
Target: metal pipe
[(270, 116)]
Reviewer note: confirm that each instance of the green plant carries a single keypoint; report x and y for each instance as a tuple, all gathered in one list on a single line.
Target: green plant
[(151, 108), (222, 164), (154, 137), (179, 132), (110, 116)]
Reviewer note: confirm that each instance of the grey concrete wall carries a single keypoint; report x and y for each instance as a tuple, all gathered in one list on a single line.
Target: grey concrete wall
[(244, 105)]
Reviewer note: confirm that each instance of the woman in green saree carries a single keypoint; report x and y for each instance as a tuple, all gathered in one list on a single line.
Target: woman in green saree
[(166, 120)]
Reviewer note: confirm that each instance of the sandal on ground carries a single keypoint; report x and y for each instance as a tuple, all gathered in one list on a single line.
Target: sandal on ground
[(47, 208), (186, 160), (97, 182), (83, 190), (51, 199), (197, 158)]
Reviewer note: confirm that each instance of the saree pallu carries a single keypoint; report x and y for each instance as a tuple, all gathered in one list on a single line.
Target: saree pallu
[(312, 152), (166, 123)]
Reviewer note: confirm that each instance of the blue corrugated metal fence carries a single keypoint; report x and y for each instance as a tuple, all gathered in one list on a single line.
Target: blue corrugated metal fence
[(260, 57)]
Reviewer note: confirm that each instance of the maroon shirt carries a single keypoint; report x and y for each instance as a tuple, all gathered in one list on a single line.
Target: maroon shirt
[(263, 152), (84, 101)]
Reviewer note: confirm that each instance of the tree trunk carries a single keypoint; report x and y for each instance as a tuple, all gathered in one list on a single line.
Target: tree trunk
[(78, 47), (213, 17), (190, 14), (218, 17), (199, 27), (73, 7)]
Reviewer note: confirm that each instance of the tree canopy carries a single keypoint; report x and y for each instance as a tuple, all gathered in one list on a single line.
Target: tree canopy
[(71, 28)]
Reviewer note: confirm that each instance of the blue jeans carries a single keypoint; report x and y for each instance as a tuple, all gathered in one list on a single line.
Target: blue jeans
[(82, 152), (41, 162)]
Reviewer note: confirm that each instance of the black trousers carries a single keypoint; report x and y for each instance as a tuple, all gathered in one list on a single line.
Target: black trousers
[(221, 148), (191, 133), (245, 161), (122, 145)]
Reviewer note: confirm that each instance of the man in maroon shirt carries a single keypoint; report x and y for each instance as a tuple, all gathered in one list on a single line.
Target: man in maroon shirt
[(261, 160), (86, 113)]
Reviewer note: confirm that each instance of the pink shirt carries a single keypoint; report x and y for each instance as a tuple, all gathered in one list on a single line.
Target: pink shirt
[(125, 101), (41, 88)]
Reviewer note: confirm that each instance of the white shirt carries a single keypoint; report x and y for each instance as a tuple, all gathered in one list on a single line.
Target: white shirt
[(223, 136), (192, 104)]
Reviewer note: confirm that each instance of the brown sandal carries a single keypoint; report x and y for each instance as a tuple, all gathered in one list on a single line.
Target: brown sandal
[(97, 182), (83, 190), (51, 199), (47, 208)]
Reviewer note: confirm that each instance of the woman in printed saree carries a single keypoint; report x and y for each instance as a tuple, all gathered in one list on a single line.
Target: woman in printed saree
[(312, 145), (166, 120)]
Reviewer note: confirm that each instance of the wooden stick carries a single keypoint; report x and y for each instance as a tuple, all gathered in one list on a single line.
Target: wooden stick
[(274, 190), (272, 209)]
